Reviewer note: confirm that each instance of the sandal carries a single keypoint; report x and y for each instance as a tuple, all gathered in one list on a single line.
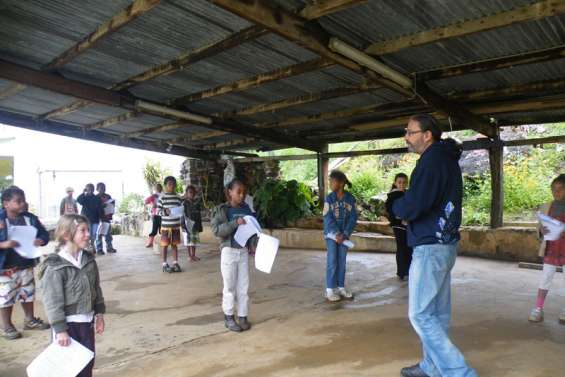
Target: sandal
[(36, 324), (176, 268), (11, 333)]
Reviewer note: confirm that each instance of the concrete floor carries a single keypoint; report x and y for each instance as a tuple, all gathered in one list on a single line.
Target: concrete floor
[(171, 324)]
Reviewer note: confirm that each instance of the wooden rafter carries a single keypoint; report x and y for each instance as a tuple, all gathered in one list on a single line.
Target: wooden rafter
[(540, 56), (67, 109), (299, 100), (55, 83), (535, 11), (11, 90), (60, 128), (324, 7), (133, 11), (156, 129), (262, 78), (295, 28), (112, 121)]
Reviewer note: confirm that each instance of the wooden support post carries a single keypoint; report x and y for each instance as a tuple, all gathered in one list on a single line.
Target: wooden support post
[(323, 165), (496, 159)]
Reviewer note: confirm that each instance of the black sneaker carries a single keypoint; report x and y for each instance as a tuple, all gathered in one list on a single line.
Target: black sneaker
[(167, 268), (413, 371), (244, 323), (231, 324), (100, 252), (11, 333), (111, 250), (176, 268), (36, 324)]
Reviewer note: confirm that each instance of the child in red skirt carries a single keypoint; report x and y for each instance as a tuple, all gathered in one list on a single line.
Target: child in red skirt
[(553, 252)]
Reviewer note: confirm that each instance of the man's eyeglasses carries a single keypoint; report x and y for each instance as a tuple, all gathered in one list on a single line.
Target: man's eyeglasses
[(410, 133)]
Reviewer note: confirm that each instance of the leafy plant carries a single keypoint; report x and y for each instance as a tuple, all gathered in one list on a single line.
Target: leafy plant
[(153, 173), (280, 202), (132, 203)]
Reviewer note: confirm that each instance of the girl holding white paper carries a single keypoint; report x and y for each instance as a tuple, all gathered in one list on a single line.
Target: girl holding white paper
[(553, 252), (340, 218), (235, 257), (70, 280)]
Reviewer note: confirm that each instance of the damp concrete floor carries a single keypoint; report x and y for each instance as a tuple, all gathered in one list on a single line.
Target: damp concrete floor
[(171, 324)]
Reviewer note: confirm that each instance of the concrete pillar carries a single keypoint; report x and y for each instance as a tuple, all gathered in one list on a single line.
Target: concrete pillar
[(496, 159), (323, 165)]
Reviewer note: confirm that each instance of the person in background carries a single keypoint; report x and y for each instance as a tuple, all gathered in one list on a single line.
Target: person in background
[(171, 224), (17, 281), (193, 221), (105, 217), (340, 218), (155, 218), (68, 204), (403, 251), (553, 252), (92, 210)]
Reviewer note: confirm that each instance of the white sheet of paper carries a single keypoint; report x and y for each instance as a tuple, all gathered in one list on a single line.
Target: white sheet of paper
[(266, 252), (57, 361), (176, 211), (110, 208), (555, 227), (25, 235), (246, 231), (103, 229), (346, 243), (185, 238)]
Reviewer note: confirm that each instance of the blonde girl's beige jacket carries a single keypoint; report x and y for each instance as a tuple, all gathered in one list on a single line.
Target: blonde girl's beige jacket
[(545, 210)]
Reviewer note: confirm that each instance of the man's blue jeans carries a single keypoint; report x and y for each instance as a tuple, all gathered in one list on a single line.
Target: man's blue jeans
[(430, 310), (108, 238), (335, 267), (93, 229)]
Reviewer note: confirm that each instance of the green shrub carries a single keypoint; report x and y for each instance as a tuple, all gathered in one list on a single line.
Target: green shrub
[(280, 202), (132, 203)]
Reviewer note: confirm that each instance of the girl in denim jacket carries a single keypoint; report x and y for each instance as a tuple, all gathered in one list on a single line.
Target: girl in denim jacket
[(340, 218)]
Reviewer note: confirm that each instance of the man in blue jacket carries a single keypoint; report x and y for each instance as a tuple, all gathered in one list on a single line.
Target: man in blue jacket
[(432, 209)]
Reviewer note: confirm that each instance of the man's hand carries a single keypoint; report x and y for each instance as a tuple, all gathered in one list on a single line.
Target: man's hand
[(63, 339), (241, 221), (99, 324), (339, 238), (166, 211), (10, 244)]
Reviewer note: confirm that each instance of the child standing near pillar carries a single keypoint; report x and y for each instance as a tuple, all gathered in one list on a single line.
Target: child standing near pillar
[(193, 221), (235, 258), (553, 252), (340, 218)]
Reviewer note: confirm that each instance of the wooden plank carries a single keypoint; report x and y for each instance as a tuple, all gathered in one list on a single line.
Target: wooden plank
[(322, 8), (64, 110), (263, 78), (535, 11), (187, 58), (299, 100), (112, 121), (539, 56), (295, 28), (133, 11), (11, 90), (58, 84), (60, 128), (161, 128), (496, 163)]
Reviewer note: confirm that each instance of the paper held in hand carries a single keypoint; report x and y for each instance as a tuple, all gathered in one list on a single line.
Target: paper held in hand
[(346, 243), (554, 226), (58, 361), (176, 211), (246, 231), (110, 207), (25, 235), (267, 247)]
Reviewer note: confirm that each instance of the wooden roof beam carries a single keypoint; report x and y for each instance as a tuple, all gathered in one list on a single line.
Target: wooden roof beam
[(535, 11), (539, 56), (322, 8), (309, 35), (11, 90), (112, 121), (133, 11)]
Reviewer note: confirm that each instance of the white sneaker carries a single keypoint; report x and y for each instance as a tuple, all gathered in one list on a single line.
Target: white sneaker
[(332, 296), (536, 315), (562, 317), (344, 293)]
